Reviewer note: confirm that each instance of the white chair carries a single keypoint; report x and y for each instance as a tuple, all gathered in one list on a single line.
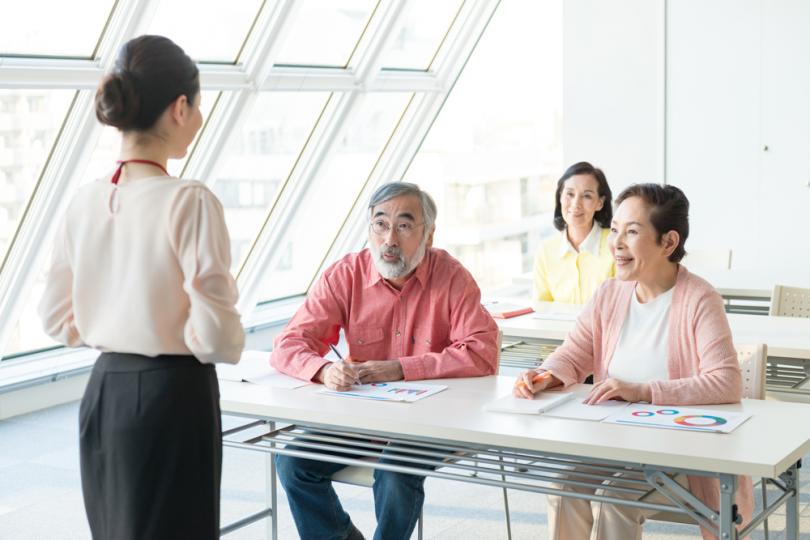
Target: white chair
[(790, 302), (753, 360)]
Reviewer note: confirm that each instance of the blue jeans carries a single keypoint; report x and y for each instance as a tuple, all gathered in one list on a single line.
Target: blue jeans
[(319, 515)]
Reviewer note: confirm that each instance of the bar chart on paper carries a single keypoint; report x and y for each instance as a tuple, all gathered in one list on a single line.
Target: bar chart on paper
[(389, 391)]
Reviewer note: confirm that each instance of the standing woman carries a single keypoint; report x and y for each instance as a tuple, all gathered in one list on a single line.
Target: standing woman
[(141, 272), (570, 266)]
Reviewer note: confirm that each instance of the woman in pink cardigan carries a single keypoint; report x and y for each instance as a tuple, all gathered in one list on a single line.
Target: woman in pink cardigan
[(656, 333)]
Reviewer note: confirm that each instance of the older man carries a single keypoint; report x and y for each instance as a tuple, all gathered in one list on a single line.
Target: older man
[(409, 311)]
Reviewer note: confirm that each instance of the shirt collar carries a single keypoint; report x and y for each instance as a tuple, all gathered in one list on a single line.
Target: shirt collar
[(590, 244), (421, 272)]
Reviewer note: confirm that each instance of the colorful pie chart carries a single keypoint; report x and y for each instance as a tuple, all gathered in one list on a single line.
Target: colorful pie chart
[(667, 412), (700, 420)]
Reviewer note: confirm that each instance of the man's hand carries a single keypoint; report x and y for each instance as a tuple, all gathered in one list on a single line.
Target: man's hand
[(338, 376), (621, 390), (379, 371)]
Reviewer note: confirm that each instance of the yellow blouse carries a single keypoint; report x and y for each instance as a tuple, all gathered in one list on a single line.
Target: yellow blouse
[(563, 275)]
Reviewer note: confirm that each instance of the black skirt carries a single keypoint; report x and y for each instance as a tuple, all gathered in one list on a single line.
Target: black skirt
[(151, 448)]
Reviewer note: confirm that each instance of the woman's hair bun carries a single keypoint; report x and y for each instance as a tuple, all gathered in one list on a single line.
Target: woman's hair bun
[(117, 101), (150, 73)]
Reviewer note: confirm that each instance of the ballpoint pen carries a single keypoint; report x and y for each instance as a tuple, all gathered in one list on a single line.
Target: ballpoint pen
[(340, 357)]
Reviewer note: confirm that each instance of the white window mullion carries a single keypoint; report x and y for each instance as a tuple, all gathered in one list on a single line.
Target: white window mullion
[(378, 36)]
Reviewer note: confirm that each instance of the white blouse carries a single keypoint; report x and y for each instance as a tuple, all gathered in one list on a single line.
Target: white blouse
[(641, 353), (144, 267)]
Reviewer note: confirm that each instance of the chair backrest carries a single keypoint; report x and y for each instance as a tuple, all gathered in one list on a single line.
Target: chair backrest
[(790, 301), (752, 359)]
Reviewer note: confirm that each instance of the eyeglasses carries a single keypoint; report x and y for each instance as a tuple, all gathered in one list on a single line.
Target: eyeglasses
[(380, 227)]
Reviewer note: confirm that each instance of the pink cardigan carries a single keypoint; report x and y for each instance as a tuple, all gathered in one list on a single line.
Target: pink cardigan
[(702, 362)]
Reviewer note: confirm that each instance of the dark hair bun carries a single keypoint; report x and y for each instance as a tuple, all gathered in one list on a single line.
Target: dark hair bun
[(117, 102), (150, 73)]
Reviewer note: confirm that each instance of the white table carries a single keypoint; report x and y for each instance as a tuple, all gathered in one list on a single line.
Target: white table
[(768, 445), (786, 337)]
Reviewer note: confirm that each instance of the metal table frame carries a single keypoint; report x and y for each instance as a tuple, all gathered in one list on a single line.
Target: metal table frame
[(511, 468)]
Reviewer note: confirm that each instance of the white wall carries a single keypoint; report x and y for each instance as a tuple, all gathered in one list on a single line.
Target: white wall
[(613, 88), (736, 80), (739, 141)]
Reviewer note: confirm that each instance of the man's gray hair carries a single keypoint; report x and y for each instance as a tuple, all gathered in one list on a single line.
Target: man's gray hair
[(389, 191)]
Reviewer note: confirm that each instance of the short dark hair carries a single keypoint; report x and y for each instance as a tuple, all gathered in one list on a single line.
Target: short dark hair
[(603, 216), (149, 74), (669, 211)]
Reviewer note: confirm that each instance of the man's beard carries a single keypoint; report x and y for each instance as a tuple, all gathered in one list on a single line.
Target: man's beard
[(402, 266)]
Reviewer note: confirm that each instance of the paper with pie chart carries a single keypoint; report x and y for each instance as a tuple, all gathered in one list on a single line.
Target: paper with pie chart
[(675, 417)]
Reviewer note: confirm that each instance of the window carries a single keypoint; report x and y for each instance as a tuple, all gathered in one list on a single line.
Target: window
[(332, 193), (493, 173), (49, 28), (28, 133), (259, 158), (325, 32), (27, 334), (417, 37), (207, 30)]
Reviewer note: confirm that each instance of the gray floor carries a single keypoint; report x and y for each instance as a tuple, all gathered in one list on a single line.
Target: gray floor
[(40, 494)]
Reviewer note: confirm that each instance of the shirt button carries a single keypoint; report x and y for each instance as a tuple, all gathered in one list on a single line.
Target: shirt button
[(360, 341), (397, 333)]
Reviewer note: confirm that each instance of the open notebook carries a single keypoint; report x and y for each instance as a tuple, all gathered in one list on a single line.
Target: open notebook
[(557, 404)]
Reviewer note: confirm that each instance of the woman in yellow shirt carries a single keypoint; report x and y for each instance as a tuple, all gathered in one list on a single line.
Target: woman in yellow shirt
[(571, 265)]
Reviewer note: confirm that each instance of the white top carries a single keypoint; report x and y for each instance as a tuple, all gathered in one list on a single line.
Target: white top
[(144, 268), (641, 353), (765, 445), (590, 244)]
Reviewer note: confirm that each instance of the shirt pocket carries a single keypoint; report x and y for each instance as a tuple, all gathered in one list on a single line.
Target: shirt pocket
[(367, 343), (430, 338)]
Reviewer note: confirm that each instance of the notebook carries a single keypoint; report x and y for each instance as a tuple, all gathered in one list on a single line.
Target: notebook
[(575, 409), (541, 403)]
